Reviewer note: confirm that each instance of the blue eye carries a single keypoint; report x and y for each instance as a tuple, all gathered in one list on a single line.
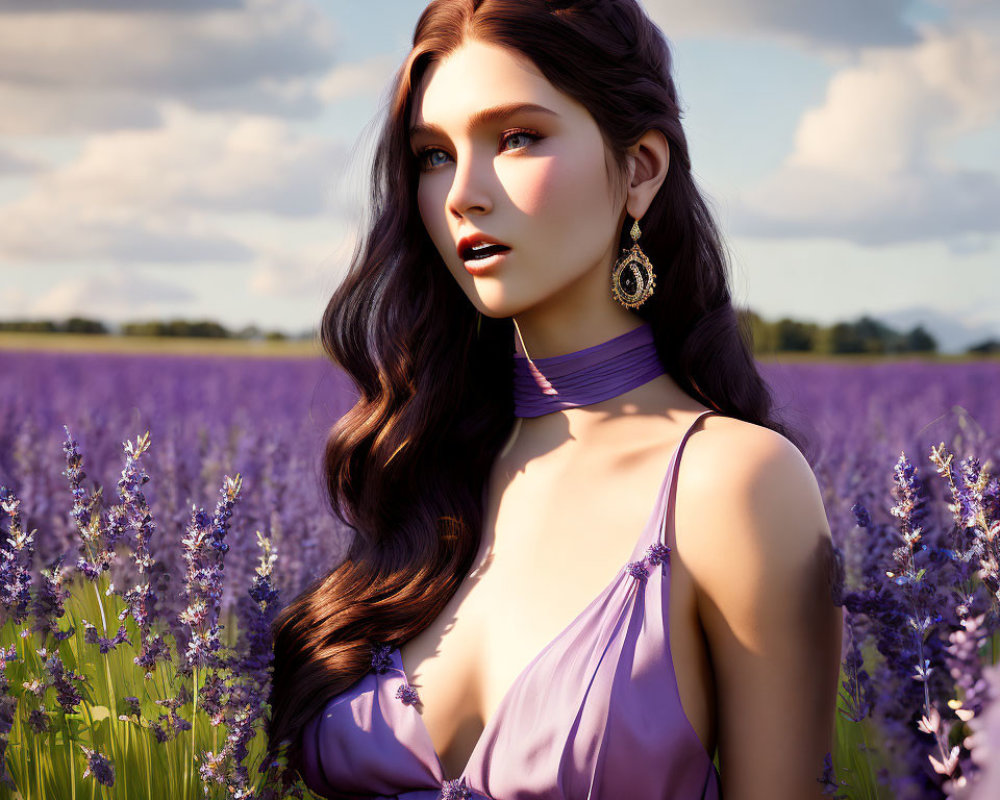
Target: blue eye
[(508, 135), (424, 156)]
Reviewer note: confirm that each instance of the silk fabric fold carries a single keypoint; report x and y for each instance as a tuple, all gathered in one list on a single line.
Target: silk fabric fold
[(586, 376)]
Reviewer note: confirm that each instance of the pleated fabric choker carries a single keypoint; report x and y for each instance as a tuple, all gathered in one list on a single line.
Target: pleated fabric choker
[(600, 372)]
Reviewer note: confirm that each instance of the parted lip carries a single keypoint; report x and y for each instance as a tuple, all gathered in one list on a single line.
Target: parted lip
[(473, 239)]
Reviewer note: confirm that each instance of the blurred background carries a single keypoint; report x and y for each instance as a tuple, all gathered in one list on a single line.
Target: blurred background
[(204, 161)]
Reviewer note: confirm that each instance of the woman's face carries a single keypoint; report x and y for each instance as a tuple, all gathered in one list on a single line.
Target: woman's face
[(535, 180)]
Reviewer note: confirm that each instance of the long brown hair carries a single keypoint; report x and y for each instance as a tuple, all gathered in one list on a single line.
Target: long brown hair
[(406, 467)]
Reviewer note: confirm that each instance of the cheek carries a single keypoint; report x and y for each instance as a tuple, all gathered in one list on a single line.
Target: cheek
[(431, 210), (537, 186), (562, 187)]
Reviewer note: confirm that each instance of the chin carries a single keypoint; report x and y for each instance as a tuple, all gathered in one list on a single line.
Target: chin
[(495, 313), (509, 297), (497, 307)]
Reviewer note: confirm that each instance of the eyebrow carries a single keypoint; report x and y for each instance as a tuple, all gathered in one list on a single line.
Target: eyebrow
[(485, 116)]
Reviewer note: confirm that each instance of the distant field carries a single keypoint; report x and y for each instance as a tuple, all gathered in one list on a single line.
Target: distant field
[(859, 359), (82, 343)]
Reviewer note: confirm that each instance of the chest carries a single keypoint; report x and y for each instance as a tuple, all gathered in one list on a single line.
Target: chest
[(555, 535)]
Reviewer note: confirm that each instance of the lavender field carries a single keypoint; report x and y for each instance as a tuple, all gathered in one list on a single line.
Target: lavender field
[(207, 416), (919, 643)]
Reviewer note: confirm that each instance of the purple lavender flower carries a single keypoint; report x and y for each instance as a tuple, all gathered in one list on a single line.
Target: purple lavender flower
[(101, 768), (16, 552), (976, 510), (74, 472), (241, 731), (204, 552), (256, 617), (903, 616), (8, 707), (91, 636), (828, 779), (50, 596), (857, 691), (965, 666), (170, 726), (132, 705), (38, 720), (226, 766), (134, 511), (140, 604), (62, 680), (6, 656), (911, 510), (213, 697), (861, 516), (212, 767), (239, 704), (95, 557), (154, 649)]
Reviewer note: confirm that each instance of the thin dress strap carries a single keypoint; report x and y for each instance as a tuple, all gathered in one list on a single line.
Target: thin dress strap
[(668, 516)]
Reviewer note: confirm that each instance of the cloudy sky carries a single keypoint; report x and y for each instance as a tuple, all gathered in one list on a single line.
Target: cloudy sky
[(204, 158)]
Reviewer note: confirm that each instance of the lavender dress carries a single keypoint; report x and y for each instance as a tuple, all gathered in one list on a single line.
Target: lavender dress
[(596, 715)]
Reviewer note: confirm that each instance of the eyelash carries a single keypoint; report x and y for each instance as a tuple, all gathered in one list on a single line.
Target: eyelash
[(508, 134)]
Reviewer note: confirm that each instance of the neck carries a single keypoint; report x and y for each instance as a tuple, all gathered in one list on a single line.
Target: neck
[(589, 375), (554, 331)]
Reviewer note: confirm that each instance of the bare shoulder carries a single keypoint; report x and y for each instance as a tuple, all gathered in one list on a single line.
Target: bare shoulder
[(752, 532), (731, 455), (748, 508)]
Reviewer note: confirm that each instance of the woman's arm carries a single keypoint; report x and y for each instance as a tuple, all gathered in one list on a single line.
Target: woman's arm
[(757, 542)]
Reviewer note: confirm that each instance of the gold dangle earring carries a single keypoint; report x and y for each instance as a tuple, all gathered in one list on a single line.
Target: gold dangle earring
[(633, 279)]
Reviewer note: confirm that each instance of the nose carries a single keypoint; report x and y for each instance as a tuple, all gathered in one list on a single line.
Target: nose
[(469, 192)]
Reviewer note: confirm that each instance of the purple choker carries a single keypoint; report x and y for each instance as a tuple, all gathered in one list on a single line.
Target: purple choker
[(606, 370)]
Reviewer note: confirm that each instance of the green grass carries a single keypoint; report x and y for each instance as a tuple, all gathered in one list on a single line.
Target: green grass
[(156, 345), (51, 764)]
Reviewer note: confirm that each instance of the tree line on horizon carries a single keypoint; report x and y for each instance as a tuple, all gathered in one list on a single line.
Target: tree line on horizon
[(866, 335), (198, 329)]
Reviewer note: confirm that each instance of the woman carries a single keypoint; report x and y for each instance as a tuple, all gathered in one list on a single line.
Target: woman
[(539, 324)]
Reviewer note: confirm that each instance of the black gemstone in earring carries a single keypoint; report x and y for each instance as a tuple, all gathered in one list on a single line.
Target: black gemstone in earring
[(633, 280)]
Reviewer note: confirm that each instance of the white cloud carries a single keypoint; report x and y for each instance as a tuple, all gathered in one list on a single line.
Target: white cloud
[(40, 231), (221, 163), (840, 24), (13, 300), (313, 272), (867, 164), (84, 68), (113, 294), (358, 78), (54, 6), (56, 111), (14, 163), (139, 195)]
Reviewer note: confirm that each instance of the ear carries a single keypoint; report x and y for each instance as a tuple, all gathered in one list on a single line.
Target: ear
[(648, 162)]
